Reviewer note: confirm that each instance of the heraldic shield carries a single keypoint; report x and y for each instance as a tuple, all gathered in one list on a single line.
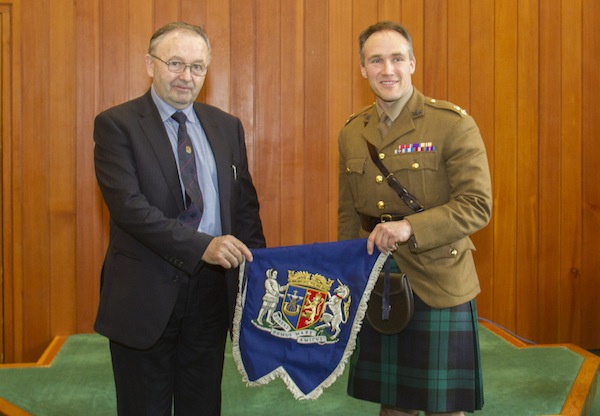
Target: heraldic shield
[(298, 312)]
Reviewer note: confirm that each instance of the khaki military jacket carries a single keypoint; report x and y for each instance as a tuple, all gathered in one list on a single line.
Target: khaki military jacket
[(435, 150)]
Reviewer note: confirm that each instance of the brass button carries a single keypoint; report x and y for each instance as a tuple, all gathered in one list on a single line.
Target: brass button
[(381, 156), (347, 170), (453, 252), (379, 179), (380, 204), (415, 165)]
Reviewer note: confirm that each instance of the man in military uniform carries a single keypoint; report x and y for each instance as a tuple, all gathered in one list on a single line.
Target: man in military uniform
[(434, 149)]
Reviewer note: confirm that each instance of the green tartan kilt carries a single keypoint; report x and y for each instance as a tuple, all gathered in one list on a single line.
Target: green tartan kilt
[(433, 365)]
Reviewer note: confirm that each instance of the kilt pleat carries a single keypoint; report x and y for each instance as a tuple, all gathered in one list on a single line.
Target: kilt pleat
[(433, 365)]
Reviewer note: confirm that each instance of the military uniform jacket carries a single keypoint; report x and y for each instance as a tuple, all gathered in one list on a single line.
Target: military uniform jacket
[(435, 150)]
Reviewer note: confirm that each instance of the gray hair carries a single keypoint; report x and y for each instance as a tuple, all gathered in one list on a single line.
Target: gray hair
[(176, 26)]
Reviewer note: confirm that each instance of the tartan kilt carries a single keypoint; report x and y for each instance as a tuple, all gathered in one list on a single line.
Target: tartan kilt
[(433, 365)]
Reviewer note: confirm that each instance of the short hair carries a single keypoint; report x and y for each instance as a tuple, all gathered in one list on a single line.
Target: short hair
[(379, 27), (176, 26)]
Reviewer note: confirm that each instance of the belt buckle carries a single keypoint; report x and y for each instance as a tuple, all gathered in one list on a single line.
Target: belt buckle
[(385, 217)]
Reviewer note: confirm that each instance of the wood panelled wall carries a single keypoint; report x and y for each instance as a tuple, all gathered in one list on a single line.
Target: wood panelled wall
[(527, 70)]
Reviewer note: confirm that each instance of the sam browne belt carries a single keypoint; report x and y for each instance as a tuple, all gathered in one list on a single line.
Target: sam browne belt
[(368, 223)]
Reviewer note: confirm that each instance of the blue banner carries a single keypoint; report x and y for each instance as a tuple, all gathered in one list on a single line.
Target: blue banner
[(298, 312)]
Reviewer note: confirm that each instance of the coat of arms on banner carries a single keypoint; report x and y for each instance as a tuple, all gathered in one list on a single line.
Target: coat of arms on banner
[(302, 305), (306, 309)]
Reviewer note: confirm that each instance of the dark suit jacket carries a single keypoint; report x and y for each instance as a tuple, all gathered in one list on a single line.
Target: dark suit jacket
[(149, 251), (452, 181)]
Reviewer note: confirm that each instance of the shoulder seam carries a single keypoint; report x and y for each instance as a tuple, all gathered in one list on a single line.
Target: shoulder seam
[(446, 105), (362, 110)]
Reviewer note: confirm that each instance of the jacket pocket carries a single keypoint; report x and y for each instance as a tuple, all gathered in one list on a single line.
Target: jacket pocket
[(355, 169), (416, 171), (452, 267)]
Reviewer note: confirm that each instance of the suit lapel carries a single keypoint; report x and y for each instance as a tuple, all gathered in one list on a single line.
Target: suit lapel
[(153, 127)]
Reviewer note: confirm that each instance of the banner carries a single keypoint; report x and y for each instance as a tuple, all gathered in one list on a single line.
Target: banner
[(298, 312)]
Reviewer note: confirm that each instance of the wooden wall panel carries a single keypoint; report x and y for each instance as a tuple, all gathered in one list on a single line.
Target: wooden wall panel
[(62, 164), (90, 230), (527, 167), (482, 108), (11, 278), (549, 166), (570, 182), (243, 85), (269, 117), (292, 129), (218, 27), (317, 157), (140, 28), (435, 61), (525, 69), (342, 55), (35, 179), (505, 180), (590, 267)]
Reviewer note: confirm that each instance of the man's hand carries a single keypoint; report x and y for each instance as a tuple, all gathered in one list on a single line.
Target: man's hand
[(387, 235), (226, 251)]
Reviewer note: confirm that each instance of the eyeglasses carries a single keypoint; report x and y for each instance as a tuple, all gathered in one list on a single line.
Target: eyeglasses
[(179, 67)]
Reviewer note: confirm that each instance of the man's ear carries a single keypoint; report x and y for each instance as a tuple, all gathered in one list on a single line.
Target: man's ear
[(149, 65), (363, 71)]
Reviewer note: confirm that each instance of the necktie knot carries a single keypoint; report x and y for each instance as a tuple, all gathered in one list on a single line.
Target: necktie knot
[(179, 117)]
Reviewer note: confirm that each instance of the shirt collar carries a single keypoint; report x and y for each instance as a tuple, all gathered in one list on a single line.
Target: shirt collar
[(166, 111)]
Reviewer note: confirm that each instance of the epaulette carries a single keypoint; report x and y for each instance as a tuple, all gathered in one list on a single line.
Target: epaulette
[(446, 105), (362, 111)]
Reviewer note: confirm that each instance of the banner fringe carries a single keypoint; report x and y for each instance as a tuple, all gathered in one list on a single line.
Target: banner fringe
[(280, 372)]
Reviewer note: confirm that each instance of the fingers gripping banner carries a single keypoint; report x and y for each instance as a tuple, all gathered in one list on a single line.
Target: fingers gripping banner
[(298, 312)]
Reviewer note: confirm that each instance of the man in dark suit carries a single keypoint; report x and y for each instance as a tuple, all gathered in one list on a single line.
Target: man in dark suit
[(168, 287)]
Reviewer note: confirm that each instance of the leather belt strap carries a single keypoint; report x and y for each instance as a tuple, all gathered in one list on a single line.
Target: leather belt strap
[(368, 223), (406, 196)]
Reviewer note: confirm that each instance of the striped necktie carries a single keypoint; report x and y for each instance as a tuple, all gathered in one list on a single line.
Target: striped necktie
[(187, 169)]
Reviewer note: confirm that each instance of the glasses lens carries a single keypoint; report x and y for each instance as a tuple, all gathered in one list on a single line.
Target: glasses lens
[(198, 69), (175, 66)]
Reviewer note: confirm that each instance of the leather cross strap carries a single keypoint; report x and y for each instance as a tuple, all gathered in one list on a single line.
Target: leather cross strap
[(406, 196), (412, 203)]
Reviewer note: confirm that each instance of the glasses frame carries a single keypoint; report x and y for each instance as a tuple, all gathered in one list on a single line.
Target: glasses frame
[(203, 68)]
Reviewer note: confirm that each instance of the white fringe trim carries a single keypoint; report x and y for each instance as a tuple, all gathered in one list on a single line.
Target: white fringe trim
[(280, 371)]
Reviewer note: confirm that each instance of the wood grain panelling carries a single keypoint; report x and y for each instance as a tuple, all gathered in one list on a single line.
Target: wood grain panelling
[(570, 182), (317, 157), (11, 307), (482, 108), (37, 214), (61, 182), (527, 195), (525, 69), (269, 53), (90, 229), (590, 268), (293, 113), (549, 142), (505, 179)]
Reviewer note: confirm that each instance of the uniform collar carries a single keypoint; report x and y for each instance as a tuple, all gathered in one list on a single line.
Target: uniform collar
[(397, 106)]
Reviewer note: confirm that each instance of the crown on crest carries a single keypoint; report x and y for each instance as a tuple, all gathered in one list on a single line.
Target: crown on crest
[(306, 279)]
